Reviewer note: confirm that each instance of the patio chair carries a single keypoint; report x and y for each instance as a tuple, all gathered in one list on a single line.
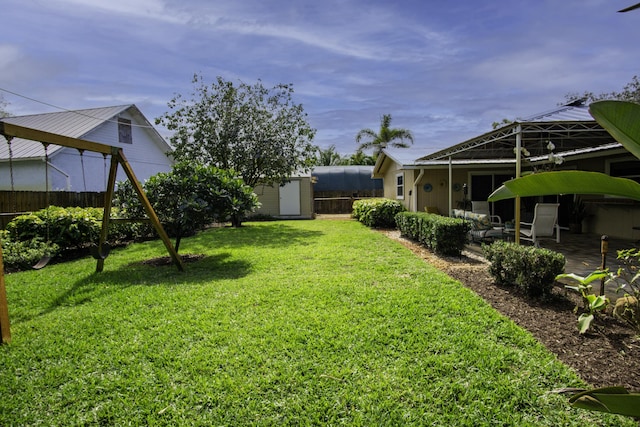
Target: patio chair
[(544, 224), (482, 207)]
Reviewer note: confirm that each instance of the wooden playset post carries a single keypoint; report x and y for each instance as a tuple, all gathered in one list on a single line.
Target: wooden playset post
[(5, 329)]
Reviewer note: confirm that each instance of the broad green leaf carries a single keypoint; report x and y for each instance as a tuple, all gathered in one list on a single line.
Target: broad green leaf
[(596, 275), (596, 302), (567, 182), (584, 321), (622, 120), (615, 400)]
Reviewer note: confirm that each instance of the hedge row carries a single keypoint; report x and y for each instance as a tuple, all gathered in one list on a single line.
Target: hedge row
[(377, 212), (443, 235)]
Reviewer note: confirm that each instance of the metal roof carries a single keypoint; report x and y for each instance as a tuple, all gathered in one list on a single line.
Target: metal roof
[(345, 178), (570, 127), (74, 124)]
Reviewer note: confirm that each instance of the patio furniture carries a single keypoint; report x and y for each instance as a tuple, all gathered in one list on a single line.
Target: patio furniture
[(481, 228), (482, 207), (544, 224)]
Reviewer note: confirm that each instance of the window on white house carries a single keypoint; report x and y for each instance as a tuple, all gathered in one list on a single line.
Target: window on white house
[(400, 186), (124, 131)]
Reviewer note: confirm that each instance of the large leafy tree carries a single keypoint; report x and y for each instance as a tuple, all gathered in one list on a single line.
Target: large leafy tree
[(258, 132), (385, 137)]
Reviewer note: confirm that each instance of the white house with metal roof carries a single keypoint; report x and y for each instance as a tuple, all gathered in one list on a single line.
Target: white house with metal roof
[(24, 163), (481, 164)]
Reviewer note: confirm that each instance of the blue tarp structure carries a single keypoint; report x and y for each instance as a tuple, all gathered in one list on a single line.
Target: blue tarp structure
[(345, 178)]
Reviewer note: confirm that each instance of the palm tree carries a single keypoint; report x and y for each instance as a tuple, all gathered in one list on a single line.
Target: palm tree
[(385, 137), (328, 157)]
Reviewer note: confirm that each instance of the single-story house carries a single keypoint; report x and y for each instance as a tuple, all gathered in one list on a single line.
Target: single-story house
[(67, 168), (565, 138)]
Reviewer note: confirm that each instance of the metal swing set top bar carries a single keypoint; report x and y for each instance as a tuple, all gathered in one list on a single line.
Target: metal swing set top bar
[(117, 156)]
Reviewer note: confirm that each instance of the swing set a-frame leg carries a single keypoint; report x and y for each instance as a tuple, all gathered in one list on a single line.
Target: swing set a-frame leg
[(5, 329), (117, 156)]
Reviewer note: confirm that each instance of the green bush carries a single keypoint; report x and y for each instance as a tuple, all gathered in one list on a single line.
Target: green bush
[(24, 255), (531, 269), (65, 227), (70, 228), (443, 235), (377, 212)]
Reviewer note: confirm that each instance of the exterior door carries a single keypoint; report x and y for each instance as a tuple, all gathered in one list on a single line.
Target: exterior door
[(290, 199)]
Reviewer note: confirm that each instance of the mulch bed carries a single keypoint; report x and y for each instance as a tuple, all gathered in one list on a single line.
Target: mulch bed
[(607, 355)]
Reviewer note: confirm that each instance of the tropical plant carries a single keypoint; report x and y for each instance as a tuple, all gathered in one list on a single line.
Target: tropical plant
[(328, 157), (359, 158), (385, 137), (592, 304)]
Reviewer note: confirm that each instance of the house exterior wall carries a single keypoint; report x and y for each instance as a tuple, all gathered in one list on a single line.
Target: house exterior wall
[(28, 175), (438, 197), (269, 197), (146, 156), (611, 216)]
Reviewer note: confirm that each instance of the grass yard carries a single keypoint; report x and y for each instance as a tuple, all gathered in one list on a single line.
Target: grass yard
[(282, 323)]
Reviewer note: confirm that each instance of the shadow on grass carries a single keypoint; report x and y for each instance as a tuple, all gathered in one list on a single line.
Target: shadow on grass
[(207, 269)]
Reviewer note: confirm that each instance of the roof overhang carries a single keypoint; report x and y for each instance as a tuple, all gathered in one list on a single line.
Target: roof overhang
[(499, 144)]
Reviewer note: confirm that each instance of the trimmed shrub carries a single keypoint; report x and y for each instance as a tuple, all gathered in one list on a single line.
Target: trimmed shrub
[(73, 227), (65, 227), (532, 270), (377, 212), (443, 235), (24, 255)]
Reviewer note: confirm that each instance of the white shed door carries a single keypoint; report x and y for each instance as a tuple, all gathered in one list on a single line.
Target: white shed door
[(290, 199)]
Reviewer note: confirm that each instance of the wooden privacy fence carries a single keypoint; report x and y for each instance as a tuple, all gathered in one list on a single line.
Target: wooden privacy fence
[(340, 202), (13, 203)]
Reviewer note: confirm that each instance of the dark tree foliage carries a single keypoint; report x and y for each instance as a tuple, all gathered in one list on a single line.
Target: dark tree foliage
[(258, 132), (189, 198), (630, 92)]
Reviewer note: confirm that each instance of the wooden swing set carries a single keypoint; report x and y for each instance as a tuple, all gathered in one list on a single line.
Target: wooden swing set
[(10, 131)]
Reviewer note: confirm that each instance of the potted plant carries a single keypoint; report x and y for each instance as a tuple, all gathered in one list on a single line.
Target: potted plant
[(577, 213)]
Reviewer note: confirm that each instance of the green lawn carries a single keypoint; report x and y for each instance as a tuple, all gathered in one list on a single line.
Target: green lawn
[(294, 323)]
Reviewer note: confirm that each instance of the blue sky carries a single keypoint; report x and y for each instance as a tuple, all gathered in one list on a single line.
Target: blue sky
[(444, 70)]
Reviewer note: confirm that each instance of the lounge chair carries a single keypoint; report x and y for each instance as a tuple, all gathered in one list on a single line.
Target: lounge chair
[(482, 207), (544, 224)]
